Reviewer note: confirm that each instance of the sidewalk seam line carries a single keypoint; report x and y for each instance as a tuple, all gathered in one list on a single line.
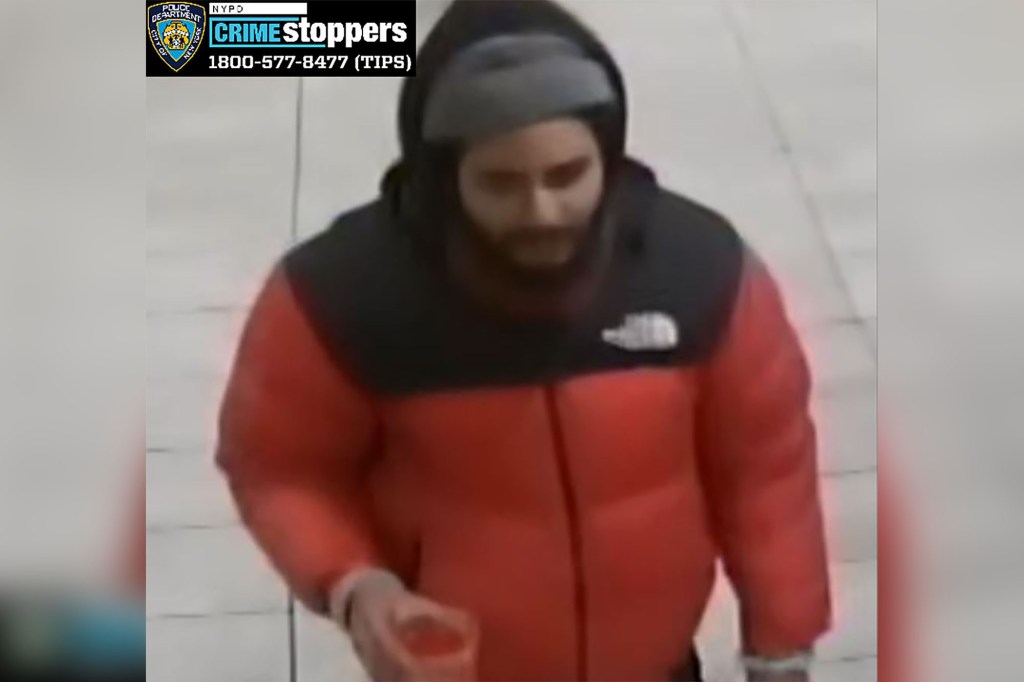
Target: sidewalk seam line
[(293, 654), (786, 147)]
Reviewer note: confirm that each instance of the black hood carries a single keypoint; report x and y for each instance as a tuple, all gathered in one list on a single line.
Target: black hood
[(412, 186), (468, 21)]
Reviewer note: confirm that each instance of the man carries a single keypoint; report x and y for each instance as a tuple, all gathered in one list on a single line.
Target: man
[(529, 384)]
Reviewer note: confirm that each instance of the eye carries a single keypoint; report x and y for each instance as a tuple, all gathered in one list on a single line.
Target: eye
[(499, 182), (565, 174)]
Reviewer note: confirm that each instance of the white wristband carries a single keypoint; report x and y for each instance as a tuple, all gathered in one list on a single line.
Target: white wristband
[(343, 591), (798, 663)]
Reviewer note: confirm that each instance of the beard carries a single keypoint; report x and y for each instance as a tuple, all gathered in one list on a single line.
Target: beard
[(500, 257)]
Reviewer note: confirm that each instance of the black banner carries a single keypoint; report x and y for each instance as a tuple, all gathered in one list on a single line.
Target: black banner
[(330, 38)]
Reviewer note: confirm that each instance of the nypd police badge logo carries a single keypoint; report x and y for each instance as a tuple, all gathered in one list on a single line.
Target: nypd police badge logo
[(176, 31)]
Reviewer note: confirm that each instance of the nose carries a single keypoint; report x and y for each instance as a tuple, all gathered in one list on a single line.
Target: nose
[(541, 208)]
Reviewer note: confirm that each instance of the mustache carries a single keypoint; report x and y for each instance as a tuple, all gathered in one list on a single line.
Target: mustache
[(536, 235)]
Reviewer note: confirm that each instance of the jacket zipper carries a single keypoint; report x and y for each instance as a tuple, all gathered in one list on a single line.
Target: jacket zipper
[(575, 534)]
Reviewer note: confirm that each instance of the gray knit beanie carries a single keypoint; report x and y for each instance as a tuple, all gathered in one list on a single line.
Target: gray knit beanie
[(509, 81)]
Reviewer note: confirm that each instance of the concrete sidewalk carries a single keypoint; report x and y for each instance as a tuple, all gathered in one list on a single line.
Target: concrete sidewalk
[(764, 109)]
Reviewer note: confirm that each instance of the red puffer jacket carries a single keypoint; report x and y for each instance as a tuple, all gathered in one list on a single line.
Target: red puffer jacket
[(570, 489)]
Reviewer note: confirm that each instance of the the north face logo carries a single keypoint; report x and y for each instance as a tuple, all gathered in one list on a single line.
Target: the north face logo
[(644, 331)]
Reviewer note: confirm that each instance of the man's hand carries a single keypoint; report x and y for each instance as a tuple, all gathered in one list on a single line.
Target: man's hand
[(363, 610), (377, 602)]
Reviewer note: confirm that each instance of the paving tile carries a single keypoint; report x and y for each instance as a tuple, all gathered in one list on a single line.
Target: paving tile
[(220, 223), (236, 648), (813, 292), (216, 214), (816, 63), (847, 423), (771, 214), (855, 604), (691, 103), (185, 489), (849, 213), (860, 272), (222, 195), (182, 413), (718, 638), (349, 137), (209, 571), (850, 506), (197, 345), (324, 652), (839, 355), (859, 670), (226, 278)]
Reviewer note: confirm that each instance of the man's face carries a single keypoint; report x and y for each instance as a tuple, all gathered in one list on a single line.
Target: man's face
[(531, 193)]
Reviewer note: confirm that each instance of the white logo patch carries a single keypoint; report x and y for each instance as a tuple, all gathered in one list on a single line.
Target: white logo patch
[(644, 331)]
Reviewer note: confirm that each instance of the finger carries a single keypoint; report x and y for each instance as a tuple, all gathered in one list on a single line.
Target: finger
[(380, 670), (382, 631), (379, 664), (392, 670), (369, 653), (415, 608), (359, 637), (434, 614), (391, 656)]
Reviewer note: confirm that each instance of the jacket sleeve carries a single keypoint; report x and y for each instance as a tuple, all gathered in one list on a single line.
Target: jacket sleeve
[(294, 435), (135, 575), (759, 465)]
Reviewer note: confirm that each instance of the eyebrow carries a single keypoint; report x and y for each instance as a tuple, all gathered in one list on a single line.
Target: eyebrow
[(572, 165), (570, 168), (500, 174)]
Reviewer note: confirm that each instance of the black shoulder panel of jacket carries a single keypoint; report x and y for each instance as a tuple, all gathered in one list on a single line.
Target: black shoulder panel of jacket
[(399, 328)]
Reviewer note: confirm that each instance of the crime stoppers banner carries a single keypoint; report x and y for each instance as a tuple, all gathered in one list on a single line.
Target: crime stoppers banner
[(329, 38)]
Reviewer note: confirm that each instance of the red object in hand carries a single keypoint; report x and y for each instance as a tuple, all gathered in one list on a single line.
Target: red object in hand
[(438, 650), (431, 641)]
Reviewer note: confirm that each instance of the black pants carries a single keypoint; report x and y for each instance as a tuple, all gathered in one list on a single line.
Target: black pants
[(689, 670)]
